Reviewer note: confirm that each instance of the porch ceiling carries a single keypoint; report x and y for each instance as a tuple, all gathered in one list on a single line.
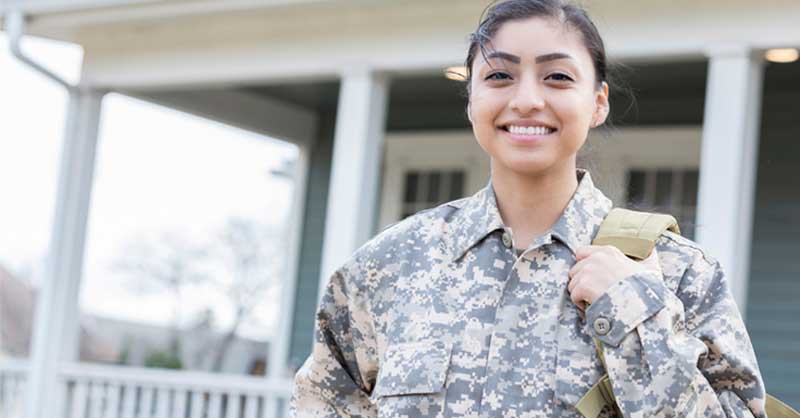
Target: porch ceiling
[(665, 94)]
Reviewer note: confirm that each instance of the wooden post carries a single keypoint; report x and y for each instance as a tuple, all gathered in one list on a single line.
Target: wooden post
[(355, 171), (729, 159), (56, 327)]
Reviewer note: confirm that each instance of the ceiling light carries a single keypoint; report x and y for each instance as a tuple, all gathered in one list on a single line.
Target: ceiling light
[(782, 55), (456, 73)]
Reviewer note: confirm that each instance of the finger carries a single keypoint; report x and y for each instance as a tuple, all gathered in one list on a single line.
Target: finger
[(586, 251), (578, 297), (577, 267), (573, 282)]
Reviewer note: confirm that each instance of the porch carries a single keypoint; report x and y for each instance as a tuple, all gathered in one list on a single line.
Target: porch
[(360, 120), (96, 391)]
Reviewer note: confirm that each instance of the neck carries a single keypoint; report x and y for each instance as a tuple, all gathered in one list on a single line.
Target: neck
[(531, 204)]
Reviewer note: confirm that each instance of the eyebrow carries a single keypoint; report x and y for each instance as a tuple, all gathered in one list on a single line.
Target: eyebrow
[(540, 59)]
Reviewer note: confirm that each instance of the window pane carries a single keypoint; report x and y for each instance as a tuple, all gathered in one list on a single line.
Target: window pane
[(636, 187), (456, 185), (663, 190), (690, 179), (410, 193), (434, 180)]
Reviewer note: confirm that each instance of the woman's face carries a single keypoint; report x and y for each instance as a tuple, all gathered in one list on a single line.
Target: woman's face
[(532, 108)]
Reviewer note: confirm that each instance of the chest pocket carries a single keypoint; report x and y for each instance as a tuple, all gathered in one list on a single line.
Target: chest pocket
[(411, 379)]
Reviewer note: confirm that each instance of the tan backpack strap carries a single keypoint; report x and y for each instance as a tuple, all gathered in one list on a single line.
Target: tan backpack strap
[(778, 409), (634, 233), (600, 395)]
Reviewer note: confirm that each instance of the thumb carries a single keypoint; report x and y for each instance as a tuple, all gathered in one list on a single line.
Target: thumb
[(651, 262), (585, 251)]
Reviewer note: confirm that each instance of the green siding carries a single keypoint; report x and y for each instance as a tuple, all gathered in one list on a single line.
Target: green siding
[(774, 290), (311, 247)]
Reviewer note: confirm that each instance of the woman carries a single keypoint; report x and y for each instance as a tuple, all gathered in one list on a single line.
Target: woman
[(476, 307)]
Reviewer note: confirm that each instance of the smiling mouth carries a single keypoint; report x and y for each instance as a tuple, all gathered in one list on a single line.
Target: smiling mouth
[(528, 130)]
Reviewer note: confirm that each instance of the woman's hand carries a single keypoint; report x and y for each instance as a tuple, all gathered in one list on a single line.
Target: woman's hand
[(598, 267)]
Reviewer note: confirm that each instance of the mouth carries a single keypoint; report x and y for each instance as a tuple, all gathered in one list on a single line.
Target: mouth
[(521, 132)]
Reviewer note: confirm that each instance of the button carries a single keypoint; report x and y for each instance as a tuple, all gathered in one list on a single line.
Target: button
[(601, 326), (507, 239)]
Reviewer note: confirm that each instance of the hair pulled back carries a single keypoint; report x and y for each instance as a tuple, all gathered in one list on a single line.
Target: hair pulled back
[(569, 14)]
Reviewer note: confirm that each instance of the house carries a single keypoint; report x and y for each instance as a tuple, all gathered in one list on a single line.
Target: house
[(359, 86), (17, 301), (113, 341)]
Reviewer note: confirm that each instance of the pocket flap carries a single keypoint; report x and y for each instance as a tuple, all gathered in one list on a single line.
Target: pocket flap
[(413, 368)]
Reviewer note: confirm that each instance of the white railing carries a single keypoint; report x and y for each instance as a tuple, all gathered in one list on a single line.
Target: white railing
[(12, 387), (95, 391)]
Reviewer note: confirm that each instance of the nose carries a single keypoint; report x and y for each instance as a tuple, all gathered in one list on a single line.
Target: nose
[(527, 97)]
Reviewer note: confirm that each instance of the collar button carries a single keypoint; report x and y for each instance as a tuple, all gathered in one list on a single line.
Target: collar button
[(507, 239)]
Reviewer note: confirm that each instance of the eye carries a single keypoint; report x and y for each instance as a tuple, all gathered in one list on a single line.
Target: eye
[(498, 75), (559, 77)]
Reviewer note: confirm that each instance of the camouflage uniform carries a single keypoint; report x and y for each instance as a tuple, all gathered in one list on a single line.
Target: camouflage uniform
[(437, 316)]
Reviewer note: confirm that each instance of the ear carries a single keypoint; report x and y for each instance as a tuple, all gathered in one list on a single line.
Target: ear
[(602, 106), (469, 111)]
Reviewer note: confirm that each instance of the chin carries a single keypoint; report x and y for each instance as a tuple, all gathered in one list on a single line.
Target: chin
[(527, 166)]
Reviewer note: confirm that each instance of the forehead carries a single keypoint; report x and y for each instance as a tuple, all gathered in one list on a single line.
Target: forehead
[(528, 38)]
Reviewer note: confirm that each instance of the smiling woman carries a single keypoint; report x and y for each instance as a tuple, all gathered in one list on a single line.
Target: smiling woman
[(478, 307)]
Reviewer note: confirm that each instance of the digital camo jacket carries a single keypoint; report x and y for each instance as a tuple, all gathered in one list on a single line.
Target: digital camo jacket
[(438, 316)]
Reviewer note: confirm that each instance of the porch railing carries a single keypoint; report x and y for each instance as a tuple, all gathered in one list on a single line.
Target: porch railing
[(12, 387), (95, 391)]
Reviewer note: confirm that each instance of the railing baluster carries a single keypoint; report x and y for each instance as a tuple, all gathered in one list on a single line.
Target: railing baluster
[(96, 399), (251, 406), (234, 407), (214, 405), (79, 394), (146, 402), (270, 409), (179, 404), (129, 405), (6, 396), (162, 403), (197, 403), (112, 406)]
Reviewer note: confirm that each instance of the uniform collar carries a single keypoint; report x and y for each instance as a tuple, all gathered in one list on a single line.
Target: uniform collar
[(478, 216)]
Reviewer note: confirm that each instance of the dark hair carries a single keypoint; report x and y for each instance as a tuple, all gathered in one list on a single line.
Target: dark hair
[(496, 14)]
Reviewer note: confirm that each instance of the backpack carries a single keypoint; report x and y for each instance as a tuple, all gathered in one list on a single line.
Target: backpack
[(635, 234)]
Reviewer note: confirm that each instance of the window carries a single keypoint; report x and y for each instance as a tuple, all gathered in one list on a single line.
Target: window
[(672, 191), (425, 189)]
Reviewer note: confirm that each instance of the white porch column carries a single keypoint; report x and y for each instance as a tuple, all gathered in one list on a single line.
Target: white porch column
[(56, 328), (728, 161), (355, 170)]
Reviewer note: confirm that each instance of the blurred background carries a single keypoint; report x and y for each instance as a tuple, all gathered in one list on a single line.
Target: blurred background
[(178, 177)]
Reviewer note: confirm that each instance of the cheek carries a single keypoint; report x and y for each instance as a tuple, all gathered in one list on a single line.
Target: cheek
[(575, 111), (486, 105)]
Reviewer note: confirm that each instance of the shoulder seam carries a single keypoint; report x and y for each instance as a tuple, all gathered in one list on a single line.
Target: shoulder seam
[(671, 236)]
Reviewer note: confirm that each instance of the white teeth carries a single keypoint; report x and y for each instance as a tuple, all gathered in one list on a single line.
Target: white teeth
[(529, 130)]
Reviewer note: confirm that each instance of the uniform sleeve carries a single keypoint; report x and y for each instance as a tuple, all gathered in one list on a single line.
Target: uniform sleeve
[(338, 376), (683, 354)]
